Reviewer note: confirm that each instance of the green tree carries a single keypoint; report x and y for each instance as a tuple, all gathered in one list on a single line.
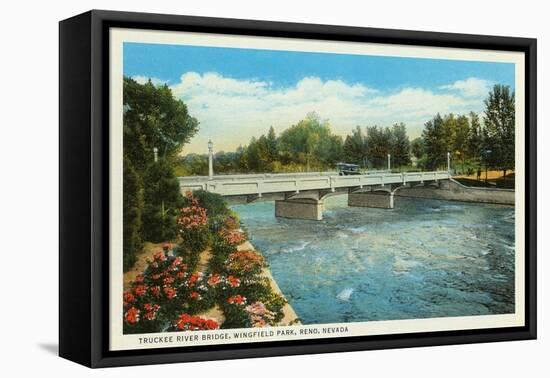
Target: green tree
[(253, 157), (162, 200), (310, 143), (355, 147), (435, 137), (400, 146), (461, 138), (242, 159), (449, 132), (499, 121), (378, 146), (152, 118), (474, 137), (132, 198), (417, 148), (272, 148)]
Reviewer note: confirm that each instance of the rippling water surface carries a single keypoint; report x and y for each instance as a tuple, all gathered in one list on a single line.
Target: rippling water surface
[(425, 258)]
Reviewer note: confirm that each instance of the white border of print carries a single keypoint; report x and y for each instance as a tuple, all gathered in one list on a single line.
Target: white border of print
[(119, 341)]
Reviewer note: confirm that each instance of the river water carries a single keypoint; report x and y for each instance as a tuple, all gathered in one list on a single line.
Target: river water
[(422, 259)]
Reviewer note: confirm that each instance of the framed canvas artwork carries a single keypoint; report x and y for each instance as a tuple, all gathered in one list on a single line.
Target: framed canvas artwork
[(234, 188)]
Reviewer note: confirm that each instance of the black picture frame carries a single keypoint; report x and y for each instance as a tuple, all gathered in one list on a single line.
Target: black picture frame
[(84, 194)]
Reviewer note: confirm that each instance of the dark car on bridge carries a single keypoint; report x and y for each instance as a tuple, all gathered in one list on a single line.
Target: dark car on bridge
[(346, 169)]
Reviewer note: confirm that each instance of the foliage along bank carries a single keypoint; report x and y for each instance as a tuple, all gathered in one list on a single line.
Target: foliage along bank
[(173, 290), (153, 120)]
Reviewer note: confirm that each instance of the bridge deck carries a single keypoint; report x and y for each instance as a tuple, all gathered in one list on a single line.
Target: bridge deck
[(257, 184)]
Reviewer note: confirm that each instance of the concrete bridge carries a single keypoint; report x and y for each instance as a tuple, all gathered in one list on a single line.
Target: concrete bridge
[(301, 195)]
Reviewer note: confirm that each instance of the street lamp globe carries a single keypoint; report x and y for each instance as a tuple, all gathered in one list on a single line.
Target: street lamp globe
[(210, 145)]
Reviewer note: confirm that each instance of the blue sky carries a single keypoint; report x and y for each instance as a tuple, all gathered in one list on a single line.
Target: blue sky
[(229, 89)]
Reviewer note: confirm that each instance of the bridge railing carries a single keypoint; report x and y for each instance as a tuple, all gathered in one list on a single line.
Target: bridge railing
[(254, 176), (231, 177), (278, 183)]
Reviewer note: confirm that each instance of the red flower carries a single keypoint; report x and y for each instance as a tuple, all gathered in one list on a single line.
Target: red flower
[(193, 279), (132, 315), (233, 237), (155, 290), (186, 322), (237, 299), (194, 295), (139, 278), (140, 290), (151, 307), (211, 324), (176, 262), (166, 247), (159, 256), (233, 281), (128, 298), (168, 281), (170, 292), (150, 315), (214, 279), (192, 217)]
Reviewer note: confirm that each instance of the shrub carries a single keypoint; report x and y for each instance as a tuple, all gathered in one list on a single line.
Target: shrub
[(191, 258), (234, 310), (159, 295), (233, 237), (132, 198), (186, 322), (192, 225), (220, 250), (275, 303), (160, 224), (259, 315), (212, 202), (245, 263), (162, 198)]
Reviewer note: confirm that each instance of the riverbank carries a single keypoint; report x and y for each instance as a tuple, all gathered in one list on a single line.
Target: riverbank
[(452, 190), (290, 317)]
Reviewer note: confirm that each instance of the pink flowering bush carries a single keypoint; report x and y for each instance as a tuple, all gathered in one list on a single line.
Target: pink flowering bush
[(259, 315), (233, 237), (192, 225)]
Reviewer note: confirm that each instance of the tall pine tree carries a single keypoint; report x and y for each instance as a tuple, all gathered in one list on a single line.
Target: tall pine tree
[(435, 142), (355, 147), (400, 146), (499, 121)]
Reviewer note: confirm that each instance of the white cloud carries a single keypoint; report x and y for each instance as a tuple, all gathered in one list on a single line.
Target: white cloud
[(144, 79), (471, 87), (231, 111)]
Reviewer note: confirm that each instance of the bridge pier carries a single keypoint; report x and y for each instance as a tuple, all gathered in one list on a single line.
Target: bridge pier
[(381, 200), (304, 208)]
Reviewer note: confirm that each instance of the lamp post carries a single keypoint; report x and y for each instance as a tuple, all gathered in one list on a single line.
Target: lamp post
[(487, 153), (210, 160), (448, 162), (389, 162), (155, 154)]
